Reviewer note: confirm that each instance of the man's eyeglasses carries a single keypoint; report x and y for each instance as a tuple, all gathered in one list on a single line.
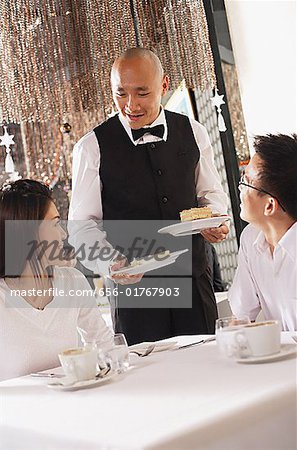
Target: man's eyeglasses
[(243, 183)]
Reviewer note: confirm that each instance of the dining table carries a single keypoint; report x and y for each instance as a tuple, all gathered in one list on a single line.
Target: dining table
[(179, 398)]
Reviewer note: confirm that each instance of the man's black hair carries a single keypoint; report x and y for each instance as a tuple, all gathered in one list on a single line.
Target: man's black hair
[(278, 169)]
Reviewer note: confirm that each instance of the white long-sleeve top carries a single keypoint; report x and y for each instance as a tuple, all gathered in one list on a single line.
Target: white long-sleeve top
[(86, 202), (30, 339), (264, 281)]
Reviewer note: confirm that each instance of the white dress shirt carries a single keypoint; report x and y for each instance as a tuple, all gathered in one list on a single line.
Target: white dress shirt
[(264, 281), (86, 203)]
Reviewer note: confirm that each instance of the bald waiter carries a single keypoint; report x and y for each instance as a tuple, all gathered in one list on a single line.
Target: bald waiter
[(117, 176)]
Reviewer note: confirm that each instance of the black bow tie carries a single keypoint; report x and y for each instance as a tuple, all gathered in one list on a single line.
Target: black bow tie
[(158, 130)]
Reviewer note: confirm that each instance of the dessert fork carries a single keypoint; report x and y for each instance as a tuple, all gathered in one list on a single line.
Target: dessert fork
[(203, 341), (142, 354), (103, 371), (47, 375)]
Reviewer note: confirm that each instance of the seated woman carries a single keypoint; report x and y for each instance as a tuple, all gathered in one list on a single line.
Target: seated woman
[(42, 302)]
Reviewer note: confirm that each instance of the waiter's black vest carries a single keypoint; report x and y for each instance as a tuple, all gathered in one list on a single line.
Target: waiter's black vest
[(150, 181)]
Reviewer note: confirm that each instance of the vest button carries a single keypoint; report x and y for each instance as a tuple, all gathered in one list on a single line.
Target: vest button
[(153, 146), (159, 172), (164, 199)]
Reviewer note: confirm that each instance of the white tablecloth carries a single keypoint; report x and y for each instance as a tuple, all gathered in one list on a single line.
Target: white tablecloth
[(178, 399)]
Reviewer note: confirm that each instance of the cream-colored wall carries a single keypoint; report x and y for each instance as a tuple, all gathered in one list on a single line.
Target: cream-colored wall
[(263, 35)]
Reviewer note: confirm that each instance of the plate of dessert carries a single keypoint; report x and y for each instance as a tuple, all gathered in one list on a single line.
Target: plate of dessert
[(150, 262), (194, 220)]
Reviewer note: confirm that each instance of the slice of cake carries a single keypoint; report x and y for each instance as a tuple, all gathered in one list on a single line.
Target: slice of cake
[(195, 213)]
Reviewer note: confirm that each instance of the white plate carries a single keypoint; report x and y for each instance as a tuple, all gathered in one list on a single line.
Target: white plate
[(159, 346), (150, 264), (80, 384), (193, 226), (286, 349)]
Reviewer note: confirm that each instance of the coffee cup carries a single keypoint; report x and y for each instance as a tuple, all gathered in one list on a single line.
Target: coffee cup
[(79, 363), (258, 339)]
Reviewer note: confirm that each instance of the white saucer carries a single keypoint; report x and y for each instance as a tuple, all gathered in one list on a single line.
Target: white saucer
[(193, 226), (286, 349), (151, 263), (159, 346), (79, 384)]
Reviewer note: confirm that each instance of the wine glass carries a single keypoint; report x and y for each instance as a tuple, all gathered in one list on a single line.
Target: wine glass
[(226, 329), (118, 355), (91, 342)]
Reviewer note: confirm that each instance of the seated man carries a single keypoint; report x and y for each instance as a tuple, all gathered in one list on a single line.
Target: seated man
[(266, 275)]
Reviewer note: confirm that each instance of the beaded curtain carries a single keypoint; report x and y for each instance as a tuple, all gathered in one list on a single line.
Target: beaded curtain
[(55, 61)]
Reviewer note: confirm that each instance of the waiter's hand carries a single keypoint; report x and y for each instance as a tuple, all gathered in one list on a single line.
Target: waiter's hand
[(119, 278), (214, 235)]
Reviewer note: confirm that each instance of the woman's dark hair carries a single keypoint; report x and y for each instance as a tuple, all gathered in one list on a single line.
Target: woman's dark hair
[(23, 203), (278, 168)]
